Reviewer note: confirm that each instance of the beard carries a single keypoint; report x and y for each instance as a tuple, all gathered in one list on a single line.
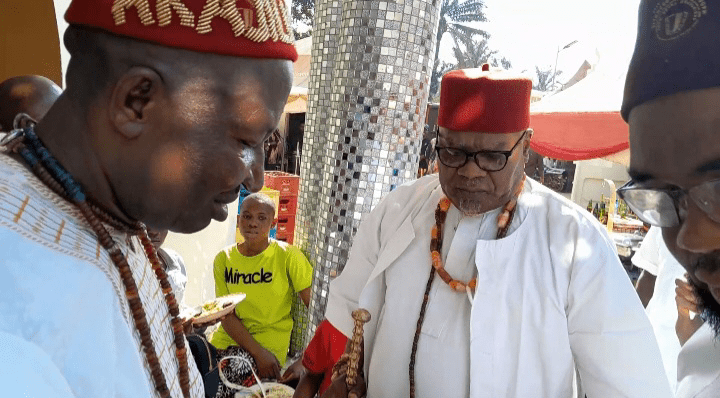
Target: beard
[(471, 207), (708, 307)]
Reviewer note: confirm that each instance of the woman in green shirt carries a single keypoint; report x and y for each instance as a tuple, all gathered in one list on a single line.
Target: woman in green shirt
[(270, 273)]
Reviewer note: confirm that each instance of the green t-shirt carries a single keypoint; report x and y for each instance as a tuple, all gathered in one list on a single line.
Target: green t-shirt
[(270, 280)]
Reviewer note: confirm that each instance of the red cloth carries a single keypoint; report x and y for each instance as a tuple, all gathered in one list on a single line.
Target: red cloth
[(230, 28), (324, 350), (481, 100), (578, 136)]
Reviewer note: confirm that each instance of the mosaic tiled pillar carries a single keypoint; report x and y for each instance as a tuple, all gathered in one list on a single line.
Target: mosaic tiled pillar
[(326, 28), (365, 122)]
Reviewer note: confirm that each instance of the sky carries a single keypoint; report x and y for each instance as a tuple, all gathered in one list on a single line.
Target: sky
[(529, 32)]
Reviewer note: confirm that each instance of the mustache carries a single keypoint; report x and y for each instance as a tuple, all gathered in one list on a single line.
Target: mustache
[(473, 184), (709, 262)]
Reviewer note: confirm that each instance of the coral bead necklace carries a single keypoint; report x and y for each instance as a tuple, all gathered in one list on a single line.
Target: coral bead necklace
[(503, 224)]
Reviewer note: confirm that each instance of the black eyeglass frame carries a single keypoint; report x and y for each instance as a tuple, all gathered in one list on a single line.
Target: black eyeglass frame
[(678, 196), (468, 155)]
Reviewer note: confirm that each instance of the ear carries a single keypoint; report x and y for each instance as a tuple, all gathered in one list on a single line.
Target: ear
[(135, 96)]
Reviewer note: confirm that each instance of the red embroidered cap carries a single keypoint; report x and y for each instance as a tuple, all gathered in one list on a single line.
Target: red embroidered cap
[(243, 28), (486, 101)]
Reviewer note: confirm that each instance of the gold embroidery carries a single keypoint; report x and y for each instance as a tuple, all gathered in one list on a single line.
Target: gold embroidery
[(284, 20), (59, 232), (260, 33), (97, 252), (22, 209), (143, 9), (271, 19), (164, 13), (226, 10)]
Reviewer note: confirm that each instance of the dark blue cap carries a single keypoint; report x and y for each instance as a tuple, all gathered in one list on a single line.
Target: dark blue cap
[(677, 49)]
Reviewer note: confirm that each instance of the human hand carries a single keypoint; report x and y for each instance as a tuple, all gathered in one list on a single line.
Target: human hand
[(293, 372), (686, 301), (267, 364), (339, 387), (190, 327)]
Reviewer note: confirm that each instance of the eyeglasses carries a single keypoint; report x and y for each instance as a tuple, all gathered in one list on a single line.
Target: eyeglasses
[(666, 207), (486, 160)]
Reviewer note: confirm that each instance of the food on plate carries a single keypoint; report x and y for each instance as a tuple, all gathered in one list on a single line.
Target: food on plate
[(275, 392), (217, 308)]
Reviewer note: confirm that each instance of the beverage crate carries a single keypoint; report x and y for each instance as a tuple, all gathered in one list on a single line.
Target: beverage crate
[(288, 206), (286, 225), (286, 183), (288, 238)]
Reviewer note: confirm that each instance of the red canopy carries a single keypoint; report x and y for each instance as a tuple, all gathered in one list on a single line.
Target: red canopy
[(578, 135), (582, 122)]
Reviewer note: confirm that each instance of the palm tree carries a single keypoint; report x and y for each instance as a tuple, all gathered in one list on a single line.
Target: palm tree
[(303, 12), (545, 78), (453, 15)]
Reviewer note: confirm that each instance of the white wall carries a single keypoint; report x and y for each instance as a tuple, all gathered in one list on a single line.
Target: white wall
[(60, 8), (198, 250)]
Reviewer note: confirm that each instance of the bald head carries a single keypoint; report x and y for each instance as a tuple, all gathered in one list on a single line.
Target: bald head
[(33, 95)]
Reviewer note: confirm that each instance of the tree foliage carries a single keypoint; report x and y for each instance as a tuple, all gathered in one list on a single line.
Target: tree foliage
[(303, 12), (470, 50), (453, 16), (546, 78)]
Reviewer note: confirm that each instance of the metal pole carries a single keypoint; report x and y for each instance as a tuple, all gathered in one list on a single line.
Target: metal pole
[(552, 86)]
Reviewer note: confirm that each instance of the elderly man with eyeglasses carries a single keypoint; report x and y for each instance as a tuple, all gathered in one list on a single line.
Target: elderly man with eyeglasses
[(672, 105), (481, 282)]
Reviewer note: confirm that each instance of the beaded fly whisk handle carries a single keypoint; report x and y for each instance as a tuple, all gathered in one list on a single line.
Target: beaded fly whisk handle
[(361, 317)]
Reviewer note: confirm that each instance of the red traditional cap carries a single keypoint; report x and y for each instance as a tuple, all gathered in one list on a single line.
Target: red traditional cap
[(243, 28), (485, 101)]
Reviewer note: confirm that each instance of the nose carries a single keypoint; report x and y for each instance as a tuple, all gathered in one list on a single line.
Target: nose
[(471, 170), (255, 168), (698, 233)]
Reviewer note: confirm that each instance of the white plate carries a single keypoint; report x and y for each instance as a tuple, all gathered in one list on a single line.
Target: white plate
[(226, 303)]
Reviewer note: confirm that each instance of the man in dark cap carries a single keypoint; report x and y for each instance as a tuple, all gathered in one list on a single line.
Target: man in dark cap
[(672, 104), (32, 95), (162, 121)]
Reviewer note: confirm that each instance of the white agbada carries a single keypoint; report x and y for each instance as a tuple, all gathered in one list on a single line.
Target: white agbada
[(655, 258), (698, 366), (693, 368), (66, 329), (551, 296)]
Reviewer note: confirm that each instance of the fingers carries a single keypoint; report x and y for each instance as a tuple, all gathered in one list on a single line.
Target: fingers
[(685, 297), (287, 375), (276, 370), (292, 373)]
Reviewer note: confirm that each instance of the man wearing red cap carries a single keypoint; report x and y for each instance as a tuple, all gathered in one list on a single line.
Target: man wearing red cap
[(672, 106), (163, 119), (483, 283)]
